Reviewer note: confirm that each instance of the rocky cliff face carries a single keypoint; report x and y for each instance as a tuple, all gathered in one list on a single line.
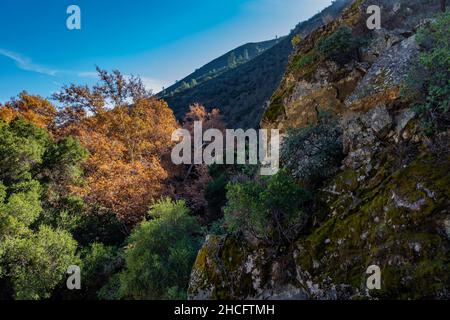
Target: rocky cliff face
[(388, 205)]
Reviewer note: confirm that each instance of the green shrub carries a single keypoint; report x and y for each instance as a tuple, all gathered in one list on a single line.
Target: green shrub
[(111, 290), (306, 59), (314, 153), (32, 263), (99, 227), (161, 253), (218, 227), (216, 190), (342, 46), (35, 250), (37, 263), (428, 84), (99, 264), (22, 146), (271, 209)]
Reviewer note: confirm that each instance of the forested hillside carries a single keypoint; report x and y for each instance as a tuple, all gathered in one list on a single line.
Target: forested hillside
[(213, 69), (242, 92)]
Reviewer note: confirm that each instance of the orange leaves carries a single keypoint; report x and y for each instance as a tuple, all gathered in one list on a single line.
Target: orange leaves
[(129, 144), (7, 114), (195, 178), (210, 120), (127, 132), (127, 189), (145, 128), (33, 108), (124, 173)]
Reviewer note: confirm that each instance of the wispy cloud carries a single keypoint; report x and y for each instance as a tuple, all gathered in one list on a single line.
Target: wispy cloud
[(156, 85), (27, 64)]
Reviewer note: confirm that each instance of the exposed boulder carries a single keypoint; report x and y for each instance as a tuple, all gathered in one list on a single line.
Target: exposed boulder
[(389, 71), (382, 40), (402, 120), (230, 268), (363, 135)]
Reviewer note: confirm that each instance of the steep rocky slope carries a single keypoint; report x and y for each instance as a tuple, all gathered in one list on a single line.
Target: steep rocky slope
[(241, 93), (387, 206)]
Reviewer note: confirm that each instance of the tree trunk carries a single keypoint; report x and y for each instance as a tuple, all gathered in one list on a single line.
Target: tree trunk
[(443, 6)]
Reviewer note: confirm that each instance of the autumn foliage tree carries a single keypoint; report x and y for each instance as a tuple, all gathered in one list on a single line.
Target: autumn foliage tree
[(126, 131), (33, 108), (192, 179)]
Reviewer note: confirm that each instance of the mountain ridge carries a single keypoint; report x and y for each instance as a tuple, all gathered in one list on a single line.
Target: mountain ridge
[(241, 93), (223, 63)]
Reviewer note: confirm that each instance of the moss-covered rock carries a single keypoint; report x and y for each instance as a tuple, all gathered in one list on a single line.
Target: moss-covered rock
[(395, 223), (394, 227), (220, 271), (389, 204), (231, 268)]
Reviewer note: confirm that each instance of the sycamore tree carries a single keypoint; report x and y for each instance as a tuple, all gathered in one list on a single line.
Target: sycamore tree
[(127, 132)]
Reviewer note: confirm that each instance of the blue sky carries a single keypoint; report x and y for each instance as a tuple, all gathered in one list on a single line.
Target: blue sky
[(161, 41)]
